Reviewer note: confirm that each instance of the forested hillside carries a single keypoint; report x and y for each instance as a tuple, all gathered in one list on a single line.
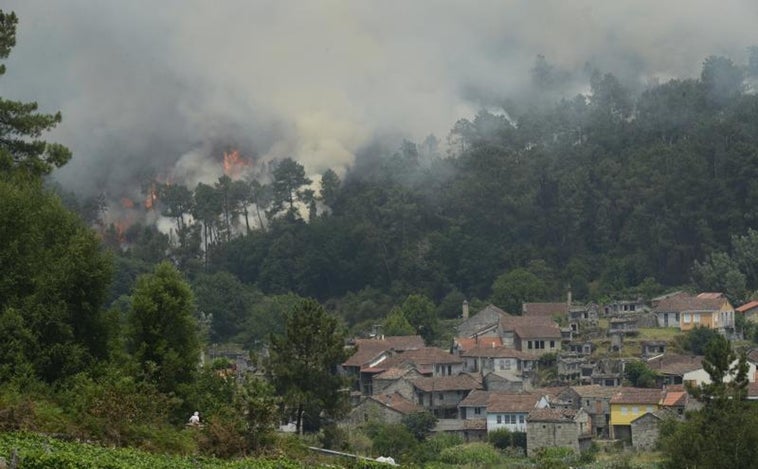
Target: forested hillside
[(609, 191)]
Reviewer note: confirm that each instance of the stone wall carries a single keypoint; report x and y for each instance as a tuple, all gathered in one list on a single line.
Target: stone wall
[(645, 432), (545, 434)]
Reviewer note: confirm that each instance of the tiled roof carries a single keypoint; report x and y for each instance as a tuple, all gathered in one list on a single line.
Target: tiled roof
[(594, 391), (446, 383), (468, 343), (511, 402), (531, 327), (366, 351), (369, 349), (544, 309), (551, 392), (637, 396), (674, 398), (499, 352), (710, 295), (551, 415), (476, 398), (397, 402), (674, 364), (393, 373), (747, 306), (686, 302)]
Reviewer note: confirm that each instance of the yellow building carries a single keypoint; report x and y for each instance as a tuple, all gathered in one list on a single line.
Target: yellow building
[(627, 404), (711, 310)]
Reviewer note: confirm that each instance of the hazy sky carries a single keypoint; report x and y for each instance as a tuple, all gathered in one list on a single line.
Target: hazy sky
[(166, 85)]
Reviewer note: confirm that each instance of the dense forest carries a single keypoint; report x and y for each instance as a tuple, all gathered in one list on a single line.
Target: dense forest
[(616, 191)]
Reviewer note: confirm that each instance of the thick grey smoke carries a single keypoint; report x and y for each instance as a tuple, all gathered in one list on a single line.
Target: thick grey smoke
[(144, 85)]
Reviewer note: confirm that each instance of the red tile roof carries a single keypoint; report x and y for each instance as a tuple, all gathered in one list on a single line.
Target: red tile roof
[(538, 327), (674, 398), (594, 391), (368, 350), (747, 306), (468, 343)]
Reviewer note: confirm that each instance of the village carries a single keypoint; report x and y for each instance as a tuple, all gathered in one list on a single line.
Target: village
[(555, 373)]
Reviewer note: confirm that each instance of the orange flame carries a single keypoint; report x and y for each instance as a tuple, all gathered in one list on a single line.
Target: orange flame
[(152, 197), (235, 164)]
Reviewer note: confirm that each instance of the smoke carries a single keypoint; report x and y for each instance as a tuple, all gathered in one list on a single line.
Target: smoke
[(166, 87)]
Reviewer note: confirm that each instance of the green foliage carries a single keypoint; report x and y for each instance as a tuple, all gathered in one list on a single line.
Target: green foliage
[(391, 440), (421, 314), (54, 282), (289, 177), (639, 374), (475, 454), (697, 339), (515, 287), (396, 324), (20, 146), (420, 424), (303, 364), (163, 336), (500, 438)]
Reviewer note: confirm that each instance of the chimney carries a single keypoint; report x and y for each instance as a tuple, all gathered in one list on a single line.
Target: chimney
[(568, 297), (465, 309)]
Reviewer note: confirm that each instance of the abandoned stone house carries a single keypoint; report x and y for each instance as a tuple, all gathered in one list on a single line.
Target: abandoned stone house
[(549, 427)]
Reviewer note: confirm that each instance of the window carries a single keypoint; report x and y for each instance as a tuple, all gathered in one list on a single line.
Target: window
[(635, 410), (499, 419), (687, 318), (529, 344), (440, 396), (477, 410), (587, 402), (506, 364), (623, 410), (631, 307), (521, 418), (552, 344), (696, 317)]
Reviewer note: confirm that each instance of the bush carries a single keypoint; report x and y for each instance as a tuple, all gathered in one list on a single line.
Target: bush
[(476, 454), (500, 438)]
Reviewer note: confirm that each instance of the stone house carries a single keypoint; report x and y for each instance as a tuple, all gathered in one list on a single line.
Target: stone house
[(441, 395), (621, 307), (482, 324), (652, 348), (644, 431), (595, 400), (505, 382), (536, 335), (626, 325), (388, 408), (505, 360), (548, 427), (474, 406), (396, 380), (368, 354)]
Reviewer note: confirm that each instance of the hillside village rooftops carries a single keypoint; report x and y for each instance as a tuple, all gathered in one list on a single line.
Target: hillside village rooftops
[(469, 343), (369, 350)]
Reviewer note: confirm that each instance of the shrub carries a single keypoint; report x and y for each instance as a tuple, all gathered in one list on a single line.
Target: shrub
[(500, 438), (471, 453)]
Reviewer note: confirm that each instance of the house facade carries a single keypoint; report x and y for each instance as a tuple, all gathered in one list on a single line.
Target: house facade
[(441, 395), (627, 404), (565, 428), (509, 410)]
